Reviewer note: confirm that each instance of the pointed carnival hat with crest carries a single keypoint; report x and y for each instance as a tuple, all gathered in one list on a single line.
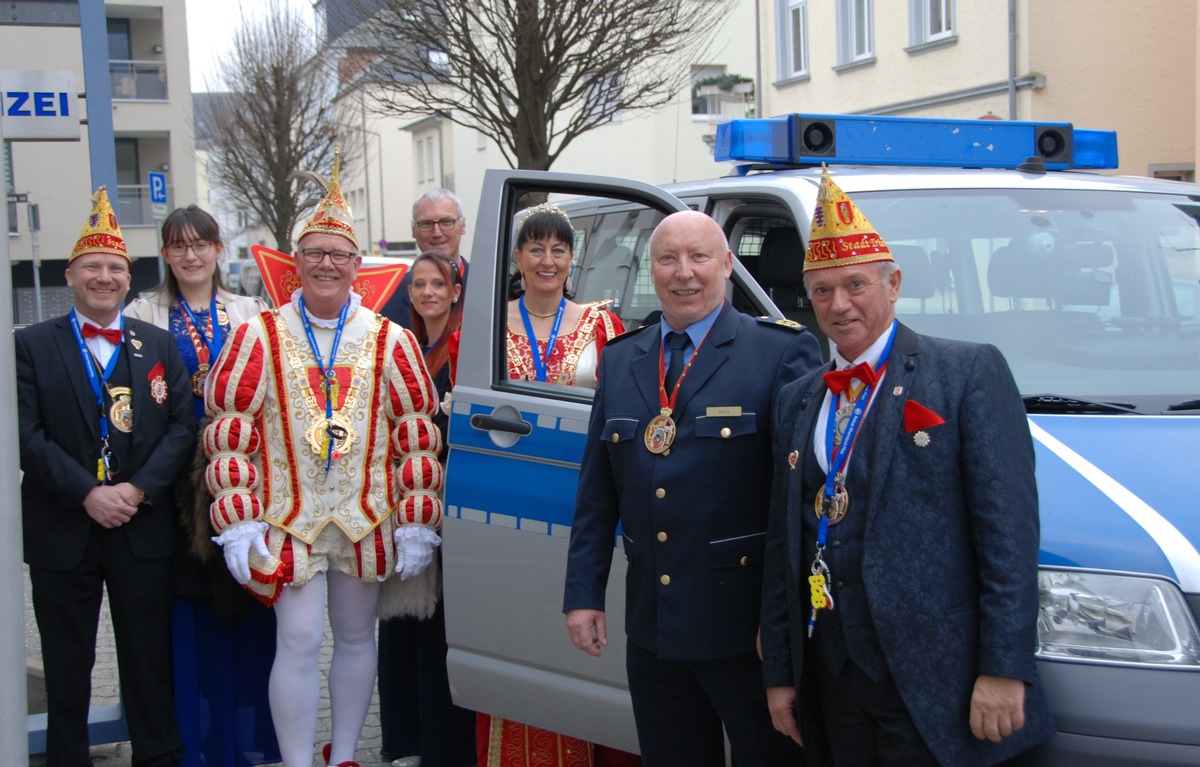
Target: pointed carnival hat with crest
[(375, 284), (841, 235), (101, 233), (332, 214)]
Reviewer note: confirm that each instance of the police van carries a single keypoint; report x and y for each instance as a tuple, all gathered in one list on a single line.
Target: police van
[(1088, 283)]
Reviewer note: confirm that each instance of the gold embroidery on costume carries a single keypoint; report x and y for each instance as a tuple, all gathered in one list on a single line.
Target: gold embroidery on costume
[(321, 429), (563, 359)]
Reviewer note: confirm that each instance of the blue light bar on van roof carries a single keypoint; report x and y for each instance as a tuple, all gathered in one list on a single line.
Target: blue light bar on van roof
[(871, 140)]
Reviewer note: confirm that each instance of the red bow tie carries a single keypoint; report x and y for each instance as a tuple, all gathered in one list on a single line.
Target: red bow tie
[(838, 381), (112, 335)]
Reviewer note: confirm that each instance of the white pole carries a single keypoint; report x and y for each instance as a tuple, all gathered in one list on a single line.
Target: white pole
[(14, 743)]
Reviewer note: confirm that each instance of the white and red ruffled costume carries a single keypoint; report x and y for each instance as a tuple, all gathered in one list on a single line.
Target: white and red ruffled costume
[(265, 446)]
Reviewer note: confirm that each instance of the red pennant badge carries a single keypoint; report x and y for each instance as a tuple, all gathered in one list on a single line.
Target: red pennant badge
[(917, 417), (374, 283), (155, 372)]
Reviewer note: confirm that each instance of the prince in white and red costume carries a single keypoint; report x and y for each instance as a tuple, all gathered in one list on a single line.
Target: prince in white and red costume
[(323, 467)]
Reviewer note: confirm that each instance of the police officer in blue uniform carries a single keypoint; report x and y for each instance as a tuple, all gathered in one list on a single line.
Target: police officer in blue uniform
[(679, 452)]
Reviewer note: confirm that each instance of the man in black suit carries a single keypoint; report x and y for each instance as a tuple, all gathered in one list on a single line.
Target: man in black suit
[(438, 223), (900, 600), (678, 452), (106, 424)]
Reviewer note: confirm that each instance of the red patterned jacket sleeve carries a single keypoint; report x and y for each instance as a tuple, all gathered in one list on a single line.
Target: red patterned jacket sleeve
[(234, 399), (609, 326), (415, 438)]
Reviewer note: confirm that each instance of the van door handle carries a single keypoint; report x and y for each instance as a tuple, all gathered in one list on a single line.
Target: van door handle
[(491, 423)]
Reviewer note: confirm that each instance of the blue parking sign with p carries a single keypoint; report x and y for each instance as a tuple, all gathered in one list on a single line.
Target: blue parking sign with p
[(158, 188)]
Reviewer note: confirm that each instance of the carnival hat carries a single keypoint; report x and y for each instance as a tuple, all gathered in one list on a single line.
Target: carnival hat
[(101, 233), (841, 235), (332, 215)]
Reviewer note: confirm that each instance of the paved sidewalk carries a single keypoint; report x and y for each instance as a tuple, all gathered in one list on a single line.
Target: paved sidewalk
[(105, 692)]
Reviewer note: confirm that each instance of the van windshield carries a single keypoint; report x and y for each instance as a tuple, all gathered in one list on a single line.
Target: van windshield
[(1089, 294)]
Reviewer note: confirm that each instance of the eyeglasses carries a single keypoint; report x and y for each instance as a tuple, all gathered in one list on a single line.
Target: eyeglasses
[(199, 247), (445, 224), (336, 257)]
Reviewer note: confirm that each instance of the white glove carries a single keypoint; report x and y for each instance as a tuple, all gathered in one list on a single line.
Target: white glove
[(445, 406), (414, 549), (236, 542)]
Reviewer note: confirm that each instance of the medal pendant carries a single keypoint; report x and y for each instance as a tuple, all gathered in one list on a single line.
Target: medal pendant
[(660, 432), (836, 507), (841, 419), (198, 379), (120, 415), (333, 435)]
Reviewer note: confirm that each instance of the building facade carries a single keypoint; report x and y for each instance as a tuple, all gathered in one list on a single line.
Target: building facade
[(1110, 64), (402, 157), (152, 128)]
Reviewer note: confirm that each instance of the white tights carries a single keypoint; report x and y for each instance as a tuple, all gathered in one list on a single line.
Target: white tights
[(295, 687)]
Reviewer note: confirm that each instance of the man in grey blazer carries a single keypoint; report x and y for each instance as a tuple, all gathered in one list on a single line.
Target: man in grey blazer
[(900, 575)]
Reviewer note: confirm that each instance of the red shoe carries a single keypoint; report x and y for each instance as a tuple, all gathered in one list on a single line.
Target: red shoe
[(325, 755)]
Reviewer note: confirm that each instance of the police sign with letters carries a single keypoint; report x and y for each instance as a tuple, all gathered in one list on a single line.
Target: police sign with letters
[(37, 105)]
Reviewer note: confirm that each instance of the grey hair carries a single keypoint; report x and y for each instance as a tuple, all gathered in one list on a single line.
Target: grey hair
[(886, 270), (437, 195)]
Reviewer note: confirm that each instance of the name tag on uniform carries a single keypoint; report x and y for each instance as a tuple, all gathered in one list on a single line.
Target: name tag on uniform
[(712, 412)]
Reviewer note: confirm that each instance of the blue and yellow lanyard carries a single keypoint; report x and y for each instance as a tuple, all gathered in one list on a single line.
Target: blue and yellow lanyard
[(98, 382), (331, 434)]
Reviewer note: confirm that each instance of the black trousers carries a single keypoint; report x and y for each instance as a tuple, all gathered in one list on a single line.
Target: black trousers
[(681, 706), (416, 714), (67, 607), (866, 722)]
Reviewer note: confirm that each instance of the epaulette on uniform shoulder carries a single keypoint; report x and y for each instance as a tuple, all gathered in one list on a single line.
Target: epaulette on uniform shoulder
[(783, 323), (628, 334)]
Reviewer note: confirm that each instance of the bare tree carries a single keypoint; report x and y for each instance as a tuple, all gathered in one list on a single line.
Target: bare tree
[(274, 118), (532, 75)]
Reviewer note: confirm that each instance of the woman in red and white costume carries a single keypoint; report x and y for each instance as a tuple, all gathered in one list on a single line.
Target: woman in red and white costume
[(324, 470)]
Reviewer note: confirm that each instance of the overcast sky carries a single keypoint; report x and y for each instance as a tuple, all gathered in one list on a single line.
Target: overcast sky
[(211, 24)]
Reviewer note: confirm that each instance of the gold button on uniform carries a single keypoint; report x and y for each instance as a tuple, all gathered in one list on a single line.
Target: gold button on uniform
[(660, 493), (665, 580), (662, 537), (726, 432), (744, 561), (616, 437)]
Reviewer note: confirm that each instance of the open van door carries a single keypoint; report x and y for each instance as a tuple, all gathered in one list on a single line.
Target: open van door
[(515, 448)]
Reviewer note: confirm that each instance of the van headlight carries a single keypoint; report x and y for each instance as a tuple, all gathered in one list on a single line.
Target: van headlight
[(1116, 618)]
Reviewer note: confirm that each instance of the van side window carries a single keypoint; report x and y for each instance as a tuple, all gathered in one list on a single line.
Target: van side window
[(611, 268)]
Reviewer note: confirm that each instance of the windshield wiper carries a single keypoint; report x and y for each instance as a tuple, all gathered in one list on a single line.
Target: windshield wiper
[(1190, 404), (1053, 403)]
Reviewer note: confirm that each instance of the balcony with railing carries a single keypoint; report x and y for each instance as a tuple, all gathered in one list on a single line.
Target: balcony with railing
[(138, 80), (133, 205)]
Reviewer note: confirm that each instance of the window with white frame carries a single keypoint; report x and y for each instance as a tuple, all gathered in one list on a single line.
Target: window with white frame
[(856, 31), (930, 20), (601, 96), (430, 164), (793, 38)]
